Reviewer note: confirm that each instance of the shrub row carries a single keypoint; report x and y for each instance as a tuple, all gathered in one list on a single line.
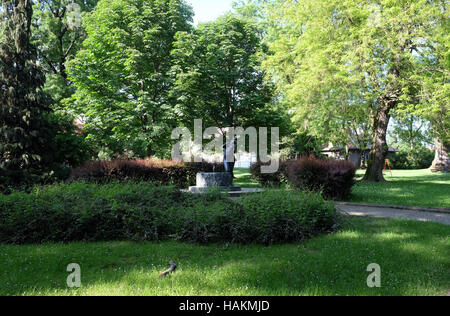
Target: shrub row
[(164, 172), (334, 178), (145, 212), (269, 179), (417, 158)]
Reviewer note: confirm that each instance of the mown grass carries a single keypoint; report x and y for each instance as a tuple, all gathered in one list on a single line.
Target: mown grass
[(414, 258), (244, 179), (404, 187)]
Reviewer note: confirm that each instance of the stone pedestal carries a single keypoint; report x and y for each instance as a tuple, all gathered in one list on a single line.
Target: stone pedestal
[(206, 181)]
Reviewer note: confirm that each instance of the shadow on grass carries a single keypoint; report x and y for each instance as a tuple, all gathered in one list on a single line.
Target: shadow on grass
[(420, 192), (414, 258), (244, 179)]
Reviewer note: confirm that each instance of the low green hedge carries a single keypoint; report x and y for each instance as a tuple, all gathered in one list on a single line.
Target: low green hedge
[(283, 216), (145, 212)]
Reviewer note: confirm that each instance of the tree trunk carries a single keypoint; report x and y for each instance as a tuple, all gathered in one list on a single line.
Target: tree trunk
[(363, 159), (379, 151), (441, 158)]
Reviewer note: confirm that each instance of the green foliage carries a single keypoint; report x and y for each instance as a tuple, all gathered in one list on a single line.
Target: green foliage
[(432, 95), (414, 256), (122, 75), (26, 136), (410, 131), (58, 40), (88, 212), (300, 144), (81, 212), (218, 76), (70, 145), (341, 62), (275, 179), (283, 216), (416, 158)]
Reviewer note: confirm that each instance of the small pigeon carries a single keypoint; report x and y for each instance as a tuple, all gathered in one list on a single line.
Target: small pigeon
[(173, 267)]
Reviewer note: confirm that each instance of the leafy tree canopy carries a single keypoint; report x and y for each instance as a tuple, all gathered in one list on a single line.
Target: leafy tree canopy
[(334, 58), (219, 77), (58, 34), (122, 74), (29, 132)]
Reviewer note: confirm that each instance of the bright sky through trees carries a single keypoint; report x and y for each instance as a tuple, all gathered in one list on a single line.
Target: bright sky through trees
[(209, 10)]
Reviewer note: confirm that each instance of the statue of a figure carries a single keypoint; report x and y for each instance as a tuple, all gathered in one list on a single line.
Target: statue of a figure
[(229, 151)]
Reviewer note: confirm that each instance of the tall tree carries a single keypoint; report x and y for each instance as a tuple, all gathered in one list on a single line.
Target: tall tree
[(25, 134), (122, 74), (410, 131), (329, 48), (440, 121), (219, 77), (58, 34), (432, 96), (435, 105)]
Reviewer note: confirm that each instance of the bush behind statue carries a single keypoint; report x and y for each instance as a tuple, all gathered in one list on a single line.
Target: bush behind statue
[(165, 172), (145, 212), (275, 179), (334, 178)]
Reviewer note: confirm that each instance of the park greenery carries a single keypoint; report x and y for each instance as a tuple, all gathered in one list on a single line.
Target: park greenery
[(145, 212), (404, 188), (361, 62), (414, 256), (91, 90), (129, 71)]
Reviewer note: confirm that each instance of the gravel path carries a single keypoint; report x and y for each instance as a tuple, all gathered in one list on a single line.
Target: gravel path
[(442, 218)]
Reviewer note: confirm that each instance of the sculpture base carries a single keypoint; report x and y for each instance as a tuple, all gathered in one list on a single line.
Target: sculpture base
[(222, 189), (210, 180), (232, 194)]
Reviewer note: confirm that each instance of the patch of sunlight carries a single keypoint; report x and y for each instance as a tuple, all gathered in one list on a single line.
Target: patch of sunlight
[(115, 289), (394, 236), (349, 235)]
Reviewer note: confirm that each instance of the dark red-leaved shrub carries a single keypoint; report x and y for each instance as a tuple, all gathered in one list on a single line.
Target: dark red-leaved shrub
[(335, 178), (269, 179), (165, 172)]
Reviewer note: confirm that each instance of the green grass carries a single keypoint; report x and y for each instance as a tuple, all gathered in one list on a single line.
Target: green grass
[(405, 187), (414, 258), (244, 179)]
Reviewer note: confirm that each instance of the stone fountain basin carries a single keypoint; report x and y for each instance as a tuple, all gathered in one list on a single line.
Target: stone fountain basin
[(209, 180)]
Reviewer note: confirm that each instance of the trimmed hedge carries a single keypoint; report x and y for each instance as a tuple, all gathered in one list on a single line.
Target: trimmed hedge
[(284, 216), (164, 172), (145, 212), (269, 179), (334, 178)]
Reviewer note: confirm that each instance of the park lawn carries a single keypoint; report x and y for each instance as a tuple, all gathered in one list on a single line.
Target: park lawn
[(413, 256), (244, 178), (404, 188)]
